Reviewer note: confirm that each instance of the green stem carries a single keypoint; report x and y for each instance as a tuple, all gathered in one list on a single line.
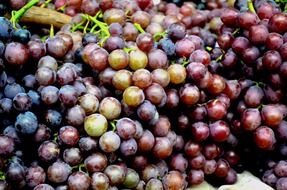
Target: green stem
[(2, 176), (94, 28), (250, 6), (113, 124), (52, 33), (219, 58), (139, 28), (81, 166), (16, 15), (87, 24), (46, 3), (157, 36), (55, 137), (235, 31), (208, 48), (185, 62), (62, 8), (128, 50), (260, 106), (103, 26)]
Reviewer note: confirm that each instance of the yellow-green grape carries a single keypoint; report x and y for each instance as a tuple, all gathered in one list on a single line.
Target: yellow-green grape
[(177, 73), (133, 96), (95, 125), (138, 60)]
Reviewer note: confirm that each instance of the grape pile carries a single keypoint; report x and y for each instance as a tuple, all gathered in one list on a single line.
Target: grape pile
[(132, 95)]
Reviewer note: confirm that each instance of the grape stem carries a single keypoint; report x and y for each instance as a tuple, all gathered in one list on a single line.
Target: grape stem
[(52, 33), (157, 36), (16, 15), (128, 50), (185, 62), (208, 48), (103, 27), (139, 28), (260, 106), (45, 3), (2, 176), (62, 8), (55, 137), (250, 6), (113, 124)]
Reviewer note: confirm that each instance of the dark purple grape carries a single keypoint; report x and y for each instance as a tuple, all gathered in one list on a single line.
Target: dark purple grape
[(58, 172), (48, 151), (7, 146), (35, 175), (68, 135), (22, 102)]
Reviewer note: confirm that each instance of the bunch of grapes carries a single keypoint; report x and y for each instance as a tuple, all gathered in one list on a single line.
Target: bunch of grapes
[(130, 95)]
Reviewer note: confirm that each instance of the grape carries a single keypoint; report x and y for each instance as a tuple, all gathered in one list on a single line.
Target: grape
[(146, 142), (177, 73), (131, 179), (35, 175), (22, 102), (173, 180), (155, 94), (95, 125), (48, 151), (271, 115), (116, 174), (142, 18), (43, 187), (157, 59), (109, 141), (219, 131), (75, 116), (7, 146), (58, 172), (113, 43), (21, 35), (96, 162), (72, 156), (114, 16), (281, 184), (281, 169), (162, 147), (270, 178), (250, 119), (133, 96), (87, 144), (79, 180), (89, 103), (110, 108), (264, 138), (192, 149), (16, 53), (278, 23), (178, 162), (99, 181), (26, 123), (153, 184), (68, 135)]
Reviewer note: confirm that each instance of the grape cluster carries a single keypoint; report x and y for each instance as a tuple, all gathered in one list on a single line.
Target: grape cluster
[(130, 95)]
